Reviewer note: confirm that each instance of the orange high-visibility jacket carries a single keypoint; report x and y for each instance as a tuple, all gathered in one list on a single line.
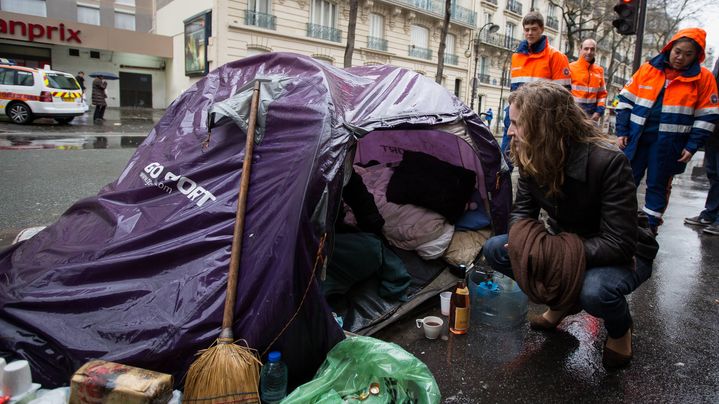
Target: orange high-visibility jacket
[(588, 87), (541, 62), (689, 106)]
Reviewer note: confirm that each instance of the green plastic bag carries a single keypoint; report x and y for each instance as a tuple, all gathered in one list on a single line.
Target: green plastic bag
[(360, 366)]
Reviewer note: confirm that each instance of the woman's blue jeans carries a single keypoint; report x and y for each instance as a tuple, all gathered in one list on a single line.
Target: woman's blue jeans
[(603, 289)]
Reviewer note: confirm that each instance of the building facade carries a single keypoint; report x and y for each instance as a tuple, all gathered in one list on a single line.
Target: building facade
[(173, 43), (91, 36)]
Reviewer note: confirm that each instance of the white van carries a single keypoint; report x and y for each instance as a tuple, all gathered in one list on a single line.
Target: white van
[(28, 93)]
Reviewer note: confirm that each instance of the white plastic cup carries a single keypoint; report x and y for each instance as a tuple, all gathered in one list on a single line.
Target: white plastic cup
[(2, 370), (17, 379), (444, 299), (432, 326)]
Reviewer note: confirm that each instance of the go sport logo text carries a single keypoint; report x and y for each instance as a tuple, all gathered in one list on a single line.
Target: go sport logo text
[(186, 186)]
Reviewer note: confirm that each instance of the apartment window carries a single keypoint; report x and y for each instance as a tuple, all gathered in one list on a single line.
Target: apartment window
[(260, 6), (376, 26), (419, 43), (88, 15), (419, 37), (125, 2), (552, 11), (487, 18), (375, 39), (510, 28), (483, 65), (74, 52), (449, 43), (31, 7), (259, 13), (323, 13), (124, 20), (457, 86), (95, 54)]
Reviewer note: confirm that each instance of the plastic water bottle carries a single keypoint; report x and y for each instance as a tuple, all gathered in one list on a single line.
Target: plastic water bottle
[(273, 379), (497, 300)]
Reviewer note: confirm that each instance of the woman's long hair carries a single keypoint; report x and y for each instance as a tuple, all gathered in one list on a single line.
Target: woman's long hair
[(550, 121)]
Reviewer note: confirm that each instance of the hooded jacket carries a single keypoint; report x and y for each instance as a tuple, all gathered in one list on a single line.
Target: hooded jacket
[(588, 86), (539, 62), (689, 107)]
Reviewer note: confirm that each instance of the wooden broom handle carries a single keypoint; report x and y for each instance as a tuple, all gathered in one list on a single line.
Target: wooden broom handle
[(236, 253)]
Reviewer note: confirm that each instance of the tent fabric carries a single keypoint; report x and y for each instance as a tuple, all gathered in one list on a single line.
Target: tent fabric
[(137, 273)]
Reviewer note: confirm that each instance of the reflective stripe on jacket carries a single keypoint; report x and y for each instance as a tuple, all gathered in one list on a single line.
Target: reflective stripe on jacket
[(588, 86), (541, 62), (689, 108)]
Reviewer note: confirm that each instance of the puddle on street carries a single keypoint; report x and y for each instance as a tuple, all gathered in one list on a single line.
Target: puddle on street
[(29, 142)]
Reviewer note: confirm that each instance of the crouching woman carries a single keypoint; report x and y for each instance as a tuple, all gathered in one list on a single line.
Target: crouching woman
[(589, 257)]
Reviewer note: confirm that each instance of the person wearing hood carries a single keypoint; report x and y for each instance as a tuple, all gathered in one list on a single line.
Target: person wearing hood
[(666, 111), (588, 86), (535, 59)]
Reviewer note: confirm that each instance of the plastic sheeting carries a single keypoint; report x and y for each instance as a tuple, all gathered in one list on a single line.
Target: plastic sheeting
[(136, 274), (369, 370)]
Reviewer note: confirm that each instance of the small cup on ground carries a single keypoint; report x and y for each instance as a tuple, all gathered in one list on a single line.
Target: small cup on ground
[(444, 299), (16, 378), (432, 326)]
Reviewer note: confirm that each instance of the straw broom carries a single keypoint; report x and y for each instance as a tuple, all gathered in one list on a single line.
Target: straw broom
[(227, 372)]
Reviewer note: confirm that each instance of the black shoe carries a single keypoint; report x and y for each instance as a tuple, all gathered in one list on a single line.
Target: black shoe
[(712, 229), (698, 221)]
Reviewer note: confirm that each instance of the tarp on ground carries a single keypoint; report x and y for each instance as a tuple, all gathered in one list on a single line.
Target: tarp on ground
[(136, 274)]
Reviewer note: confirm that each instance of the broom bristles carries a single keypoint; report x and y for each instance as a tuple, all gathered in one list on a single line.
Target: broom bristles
[(223, 373)]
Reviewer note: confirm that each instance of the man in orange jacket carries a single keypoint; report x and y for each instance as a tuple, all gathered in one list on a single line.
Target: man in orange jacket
[(533, 60), (588, 86)]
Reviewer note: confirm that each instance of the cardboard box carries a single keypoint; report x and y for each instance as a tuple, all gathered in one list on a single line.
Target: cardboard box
[(112, 383)]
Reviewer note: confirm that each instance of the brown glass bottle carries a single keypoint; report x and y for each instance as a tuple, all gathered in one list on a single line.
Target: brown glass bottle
[(459, 309)]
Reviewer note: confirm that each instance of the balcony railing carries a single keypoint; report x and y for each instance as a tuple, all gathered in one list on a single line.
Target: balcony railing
[(322, 32), (506, 82), (484, 78), (377, 43), (459, 14), (261, 20), (514, 6), (421, 53), (499, 40), (451, 59), (620, 81), (553, 22)]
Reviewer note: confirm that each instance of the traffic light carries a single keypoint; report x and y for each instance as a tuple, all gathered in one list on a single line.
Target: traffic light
[(627, 17)]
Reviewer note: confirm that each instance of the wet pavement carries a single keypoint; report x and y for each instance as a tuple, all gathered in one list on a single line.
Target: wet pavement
[(676, 334), (129, 121)]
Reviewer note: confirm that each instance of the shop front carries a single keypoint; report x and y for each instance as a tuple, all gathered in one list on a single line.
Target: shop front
[(138, 59)]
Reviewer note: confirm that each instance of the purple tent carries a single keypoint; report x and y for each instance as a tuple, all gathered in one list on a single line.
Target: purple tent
[(137, 273)]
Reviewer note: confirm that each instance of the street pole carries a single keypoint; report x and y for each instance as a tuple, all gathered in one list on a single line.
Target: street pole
[(640, 36), (474, 77)]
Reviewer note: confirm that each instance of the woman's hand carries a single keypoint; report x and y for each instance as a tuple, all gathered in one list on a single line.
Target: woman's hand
[(621, 142), (686, 156)]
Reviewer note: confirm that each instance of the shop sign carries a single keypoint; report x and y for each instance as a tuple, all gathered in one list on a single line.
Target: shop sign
[(38, 31)]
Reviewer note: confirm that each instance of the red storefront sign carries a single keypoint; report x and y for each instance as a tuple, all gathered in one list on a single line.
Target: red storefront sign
[(37, 31)]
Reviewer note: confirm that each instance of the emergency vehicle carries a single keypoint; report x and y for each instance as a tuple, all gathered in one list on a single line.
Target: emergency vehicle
[(28, 93)]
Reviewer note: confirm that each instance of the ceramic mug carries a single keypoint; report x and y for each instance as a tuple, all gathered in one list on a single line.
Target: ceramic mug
[(432, 326)]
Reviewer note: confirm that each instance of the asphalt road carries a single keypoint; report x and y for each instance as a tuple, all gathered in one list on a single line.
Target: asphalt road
[(37, 186)]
